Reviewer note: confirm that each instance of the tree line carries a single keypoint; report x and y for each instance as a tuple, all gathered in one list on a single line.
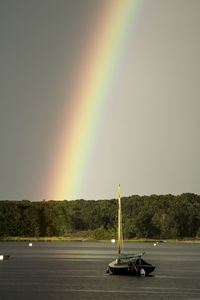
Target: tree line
[(155, 216)]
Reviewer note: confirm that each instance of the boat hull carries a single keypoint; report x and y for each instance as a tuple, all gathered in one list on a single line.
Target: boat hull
[(123, 269), (3, 256)]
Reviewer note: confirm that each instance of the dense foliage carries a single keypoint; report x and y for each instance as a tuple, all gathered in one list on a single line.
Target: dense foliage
[(155, 216)]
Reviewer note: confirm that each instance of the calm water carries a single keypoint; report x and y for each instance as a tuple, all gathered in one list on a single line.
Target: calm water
[(66, 270)]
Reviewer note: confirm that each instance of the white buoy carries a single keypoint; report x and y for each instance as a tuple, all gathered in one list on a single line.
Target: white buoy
[(113, 241), (155, 244), (30, 244), (1, 257), (142, 272)]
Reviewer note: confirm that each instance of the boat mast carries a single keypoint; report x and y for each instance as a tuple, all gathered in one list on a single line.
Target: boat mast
[(119, 218)]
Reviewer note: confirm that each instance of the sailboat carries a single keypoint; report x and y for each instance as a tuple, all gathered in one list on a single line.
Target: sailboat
[(129, 264)]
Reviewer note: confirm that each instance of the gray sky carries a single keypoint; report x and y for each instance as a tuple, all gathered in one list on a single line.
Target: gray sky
[(148, 139)]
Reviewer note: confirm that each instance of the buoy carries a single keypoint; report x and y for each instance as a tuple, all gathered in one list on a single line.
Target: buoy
[(142, 272), (113, 241), (1, 257), (30, 244)]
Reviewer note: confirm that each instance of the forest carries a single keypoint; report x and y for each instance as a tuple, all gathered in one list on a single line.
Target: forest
[(155, 216)]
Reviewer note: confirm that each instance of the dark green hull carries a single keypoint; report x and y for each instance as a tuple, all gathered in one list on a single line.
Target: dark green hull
[(120, 269)]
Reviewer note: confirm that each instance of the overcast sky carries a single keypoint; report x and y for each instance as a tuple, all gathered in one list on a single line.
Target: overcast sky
[(148, 139)]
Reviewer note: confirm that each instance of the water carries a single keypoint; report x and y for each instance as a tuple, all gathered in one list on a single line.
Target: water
[(77, 270)]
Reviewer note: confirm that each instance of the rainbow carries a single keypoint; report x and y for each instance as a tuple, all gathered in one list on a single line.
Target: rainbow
[(89, 95)]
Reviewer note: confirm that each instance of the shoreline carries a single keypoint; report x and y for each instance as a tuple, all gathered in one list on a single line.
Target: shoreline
[(82, 239)]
